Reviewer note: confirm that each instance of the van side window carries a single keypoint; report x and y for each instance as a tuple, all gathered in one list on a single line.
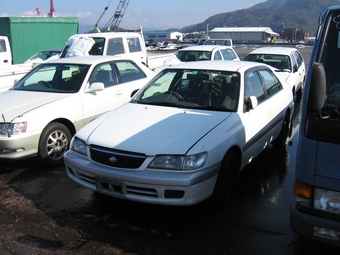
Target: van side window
[(115, 46), (134, 44), (2, 46), (98, 47)]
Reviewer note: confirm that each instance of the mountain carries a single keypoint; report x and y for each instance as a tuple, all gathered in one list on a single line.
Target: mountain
[(276, 14)]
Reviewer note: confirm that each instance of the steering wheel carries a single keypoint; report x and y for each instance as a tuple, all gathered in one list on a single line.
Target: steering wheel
[(175, 94), (46, 84)]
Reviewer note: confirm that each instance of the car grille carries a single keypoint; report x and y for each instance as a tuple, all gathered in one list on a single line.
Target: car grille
[(116, 158)]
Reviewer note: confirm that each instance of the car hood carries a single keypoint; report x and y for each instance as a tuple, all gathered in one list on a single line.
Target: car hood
[(173, 60), (14, 103), (153, 129)]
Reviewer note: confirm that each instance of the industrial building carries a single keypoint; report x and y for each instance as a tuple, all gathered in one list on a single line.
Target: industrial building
[(160, 36), (244, 34), (294, 35)]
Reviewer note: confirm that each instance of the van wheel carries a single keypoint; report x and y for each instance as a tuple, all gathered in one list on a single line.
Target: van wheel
[(226, 180), (281, 141), (54, 142)]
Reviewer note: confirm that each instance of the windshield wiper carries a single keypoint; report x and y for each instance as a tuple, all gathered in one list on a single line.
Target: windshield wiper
[(166, 104), (282, 70), (217, 108)]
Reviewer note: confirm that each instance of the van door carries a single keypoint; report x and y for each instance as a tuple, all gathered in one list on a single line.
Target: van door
[(5, 52), (136, 49)]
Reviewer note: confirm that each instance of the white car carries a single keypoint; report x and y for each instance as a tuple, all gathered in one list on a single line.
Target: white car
[(184, 136), (286, 60), (42, 112), (200, 53), (43, 55)]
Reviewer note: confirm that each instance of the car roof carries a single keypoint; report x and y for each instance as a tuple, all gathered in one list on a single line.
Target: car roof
[(205, 47), (86, 60), (110, 34), (233, 66), (274, 50)]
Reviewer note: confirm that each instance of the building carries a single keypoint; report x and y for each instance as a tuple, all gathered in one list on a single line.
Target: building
[(294, 35), (244, 34), (160, 36)]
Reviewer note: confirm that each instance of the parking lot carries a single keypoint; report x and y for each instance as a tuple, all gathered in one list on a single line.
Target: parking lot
[(44, 212)]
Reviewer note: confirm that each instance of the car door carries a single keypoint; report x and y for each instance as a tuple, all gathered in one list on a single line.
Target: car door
[(120, 79), (298, 68), (255, 120), (277, 100)]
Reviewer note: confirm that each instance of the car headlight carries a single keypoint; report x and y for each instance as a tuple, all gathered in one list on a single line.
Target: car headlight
[(79, 146), (176, 162), (327, 200), (13, 128)]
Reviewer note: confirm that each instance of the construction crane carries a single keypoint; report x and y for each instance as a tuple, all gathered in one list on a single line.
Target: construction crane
[(113, 23), (38, 13), (50, 14)]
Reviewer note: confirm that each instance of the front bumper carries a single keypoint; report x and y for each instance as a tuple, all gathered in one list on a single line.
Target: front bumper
[(147, 186), (19, 146), (305, 225)]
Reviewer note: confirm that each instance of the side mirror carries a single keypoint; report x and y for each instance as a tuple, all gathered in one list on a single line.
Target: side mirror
[(96, 86), (252, 102), (295, 68), (317, 89)]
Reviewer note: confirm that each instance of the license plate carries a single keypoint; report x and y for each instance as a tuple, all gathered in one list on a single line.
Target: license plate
[(109, 186)]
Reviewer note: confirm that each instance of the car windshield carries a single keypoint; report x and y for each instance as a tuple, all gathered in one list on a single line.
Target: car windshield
[(193, 55), (277, 61), (195, 89), (56, 78), (45, 54)]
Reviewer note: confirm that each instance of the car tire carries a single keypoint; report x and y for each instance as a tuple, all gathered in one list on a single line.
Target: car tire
[(54, 142), (281, 141), (226, 180)]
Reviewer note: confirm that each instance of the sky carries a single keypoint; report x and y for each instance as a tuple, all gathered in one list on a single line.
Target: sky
[(150, 14)]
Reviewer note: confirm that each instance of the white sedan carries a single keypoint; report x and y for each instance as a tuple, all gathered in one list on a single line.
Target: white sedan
[(42, 112), (287, 61), (184, 136), (200, 53)]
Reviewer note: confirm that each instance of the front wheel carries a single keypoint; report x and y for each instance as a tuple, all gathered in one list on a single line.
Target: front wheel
[(54, 142), (226, 180)]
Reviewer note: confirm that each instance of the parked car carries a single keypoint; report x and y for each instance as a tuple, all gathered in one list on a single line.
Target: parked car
[(200, 53), (52, 102), (168, 46), (226, 42), (184, 136), (43, 55), (286, 60)]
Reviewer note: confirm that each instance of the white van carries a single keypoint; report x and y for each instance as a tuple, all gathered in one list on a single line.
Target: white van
[(5, 51), (129, 44)]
